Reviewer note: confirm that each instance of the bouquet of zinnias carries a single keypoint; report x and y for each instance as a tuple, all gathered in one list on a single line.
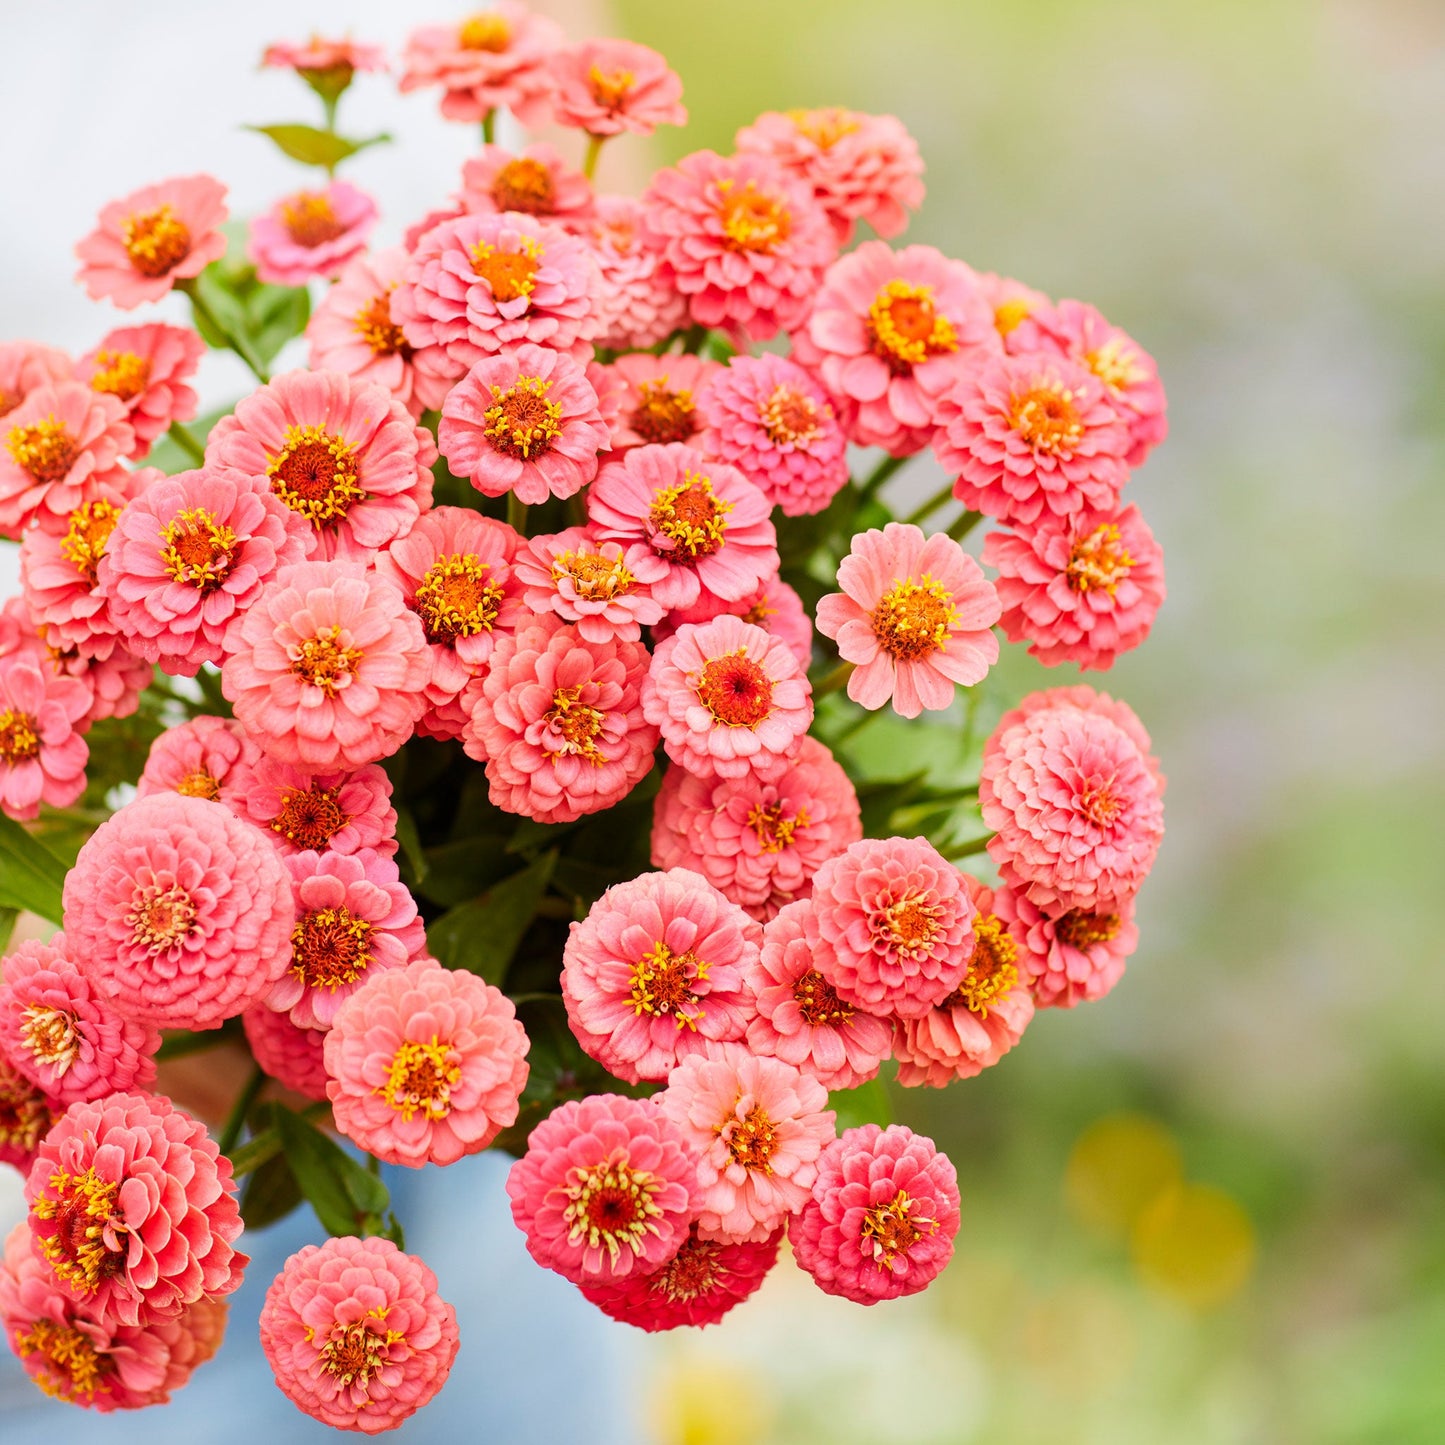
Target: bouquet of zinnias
[(487, 727)]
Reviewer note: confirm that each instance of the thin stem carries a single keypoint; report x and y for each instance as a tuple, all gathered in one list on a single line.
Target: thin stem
[(516, 514), (489, 127), (188, 442), (937, 500), (329, 104), (179, 1044), (236, 1120), (878, 476), (594, 149), (204, 313), (964, 525), (693, 338), (832, 681), (969, 848), (855, 727)]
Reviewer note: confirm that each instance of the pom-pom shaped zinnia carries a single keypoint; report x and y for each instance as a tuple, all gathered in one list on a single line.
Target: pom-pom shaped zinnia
[(356, 1333), (341, 812), (586, 582), (608, 86), (178, 912), (897, 924), (535, 182), (426, 1064), (328, 669), (293, 1056), (146, 368), (208, 757), (606, 1189), (310, 234), (655, 973), (915, 615), (882, 1217), (134, 1209), (758, 1125), (638, 306), (42, 755), (651, 399)]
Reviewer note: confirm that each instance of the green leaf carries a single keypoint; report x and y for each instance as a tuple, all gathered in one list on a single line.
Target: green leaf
[(255, 1152), (867, 1104), (481, 936), (314, 147), (31, 876), (7, 926), (274, 314), (409, 840), (455, 871), (879, 800), (270, 1193), (346, 1196)]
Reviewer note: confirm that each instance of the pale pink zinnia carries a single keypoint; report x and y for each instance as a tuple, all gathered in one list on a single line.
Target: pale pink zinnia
[(134, 1209), (743, 241), (356, 1333), (586, 582), (896, 920), (26, 365), (310, 234), (293, 1056), (638, 307), (655, 971), (524, 422), (915, 615), (340, 811), (608, 86), (328, 669), (558, 721), (759, 1126), (354, 917), (1013, 303), (773, 606), (882, 1216), (153, 238), (178, 912), (68, 1040), (207, 757), (606, 1189), (146, 368), (535, 181), (426, 1064), (889, 333), (113, 681), (648, 398), (341, 452), (42, 755)]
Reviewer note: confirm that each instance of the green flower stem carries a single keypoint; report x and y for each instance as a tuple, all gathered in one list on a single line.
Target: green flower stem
[(964, 525), (693, 339), (489, 127), (855, 727), (516, 514), (236, 1120), (594, 149), (969, 848), (188, 442), (880, 474), (937, 500), (204, 313), (832, 681)]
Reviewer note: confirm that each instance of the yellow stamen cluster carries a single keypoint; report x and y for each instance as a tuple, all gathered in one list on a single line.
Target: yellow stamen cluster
[(160, 918), (736, 690), (691, 517), (522, 421), (374, 325), (611, 88), (773, 831), (155, 240), (818, 1001), (324, 662), (577, 724), (310, 219), (120, 374), (197, 549), (595, 577), (199, 785), (1116, 364), (525, 184), (909, 924), (316, 474), (310, 817), (510, 274), (914, 618), (329, 948), (905, 326), (992, 967), (421, 1079), (19, 742), (1099, 562), (789, 417), (52, 1035), (1046, 418), (691, 1272), (44, 448), (751, 1140), (85, 1210), (612, 1205), (353, 1353), (824, 127), (458, 598), (662, 984), (90, 527), (892, 1229), (1085, 930), (752, 220), (485, 31), (74, 1371), (1009, 315), (662, 414)]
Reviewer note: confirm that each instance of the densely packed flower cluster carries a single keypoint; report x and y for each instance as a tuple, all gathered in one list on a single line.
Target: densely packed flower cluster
[(494, 692)]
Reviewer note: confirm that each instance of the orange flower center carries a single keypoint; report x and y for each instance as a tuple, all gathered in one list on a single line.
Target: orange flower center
[(120, 374), (818, 1002), (329, 947), (510, 274), (691, 1272), (691, 517), (160, 916), (892, 1229), (44, 448), (913, 619), (485, 31), (18, 739), (825, 127), (353, 1353), (324, 662), (663, 984), (751, 219), (85, 539), (575, 725), (316, 474), (772, 829), (1009, 315), (1116, 364), (610, 88), (759, 612), (52, 1035), (1100, 804), (25, 1117), (663, 415), (155, 240), (197, 549), (906, 328), (72, 1369), (1084, 930), (521, 421), (735, 690), (1098, 561), (790, 417), (1046, 418), (8, 402), (310, 817), (422, 1078), (525, 184), (88, 1244), (310, 219), (458, 598), (374, 325), (595, 577), (611, 1204), (753, 1140), (199, 785), (908, 925), (992, 968)]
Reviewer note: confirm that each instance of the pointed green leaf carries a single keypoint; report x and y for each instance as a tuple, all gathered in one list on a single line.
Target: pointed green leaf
[(269, 1193), (481, 936), (867, 1104), (345, 1195), (314, 147), (31, 876)]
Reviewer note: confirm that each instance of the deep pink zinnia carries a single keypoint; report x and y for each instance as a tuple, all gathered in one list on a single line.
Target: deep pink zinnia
[(882, 1216), (153, 238), (759, 1126), (341, 452), (293, 1056), (190, 555), (915, 615), (654, 399), (558, 722), (207, 757), (356, 1333), (146, 368), (535, 182), (426, 1064), (889, 333), (178, 912), (26, 365), (639, 306), (774, 606), (608, 86), (134, 1209), (42, 755), (67, 1039), (328, 670), (27, 1114), (341, 811), (655, 972), (310, 234), (896, 920), (606, 1189), (586, 582)]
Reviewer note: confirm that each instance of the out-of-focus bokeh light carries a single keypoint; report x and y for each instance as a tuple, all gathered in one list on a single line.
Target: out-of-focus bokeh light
[(1119, 1166), (1194, 1243)]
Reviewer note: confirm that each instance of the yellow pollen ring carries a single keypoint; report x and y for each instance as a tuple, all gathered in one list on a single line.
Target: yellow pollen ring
[(421, 1079), (914, 618)]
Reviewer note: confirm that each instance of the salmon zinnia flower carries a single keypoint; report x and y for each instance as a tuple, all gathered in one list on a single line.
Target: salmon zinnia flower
[(638, 306), (42, 755), (146, 368), (607, 86), (310, 234), (534, 182), (208, 757)]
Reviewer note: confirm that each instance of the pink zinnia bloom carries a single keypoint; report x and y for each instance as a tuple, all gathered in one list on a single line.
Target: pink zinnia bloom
[(1086, 699), (178, 912), (454, 570), (535, 181), (27, 1115), (149, 240), (134, 1209), (897, 924), (759, 1126), (915, 615), (1077, 807), (482, 283), (741, 239), (889, 334), (558, 721), (606, 1189), (638, 306), (98, 1364), (352, 331), (655, 971), (654, 398), (70, 1042), (341, 812), (729, 698), (113, 682), (587, 582), (328, 670), (981, 1020), (190, 555), (758, 840), (293, 1056), (697, 1286), (774, 606), (310, 234), (525, 422), (1013, 303), (1078, 589), (59, 448), (341, 452), (882, 1217), (146, 368), (27, 365), (208, 757), (608, 86), (426, 1064), (859, 167), (800, 1017), (42, 755), (1070, 959), (496, 59), (775, 424), (1129, 374), (1032, 432), (690, 526), (356, 1333), (318, 55), (354, 918)]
